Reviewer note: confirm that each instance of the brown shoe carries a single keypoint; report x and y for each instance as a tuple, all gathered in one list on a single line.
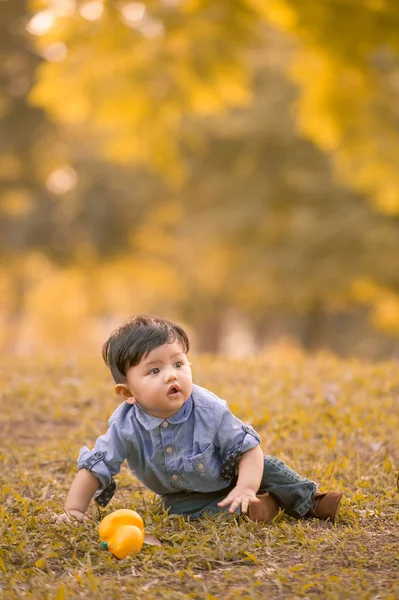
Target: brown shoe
[(265, 510), (325, 505)]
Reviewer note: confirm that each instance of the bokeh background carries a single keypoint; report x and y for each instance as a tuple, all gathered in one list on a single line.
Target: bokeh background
[(231, 164)]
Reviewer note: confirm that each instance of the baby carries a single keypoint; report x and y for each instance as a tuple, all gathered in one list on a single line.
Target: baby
[(181, 441)]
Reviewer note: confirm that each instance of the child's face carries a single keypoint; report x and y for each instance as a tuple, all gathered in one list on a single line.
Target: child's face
[(160, 383)]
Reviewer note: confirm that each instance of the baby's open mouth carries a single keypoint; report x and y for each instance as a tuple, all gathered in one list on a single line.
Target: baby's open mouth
[(174, 389)]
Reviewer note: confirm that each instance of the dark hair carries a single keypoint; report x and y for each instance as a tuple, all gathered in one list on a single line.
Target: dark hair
[(136, 338)]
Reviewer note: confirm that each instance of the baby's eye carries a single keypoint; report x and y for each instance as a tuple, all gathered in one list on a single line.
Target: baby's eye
[(178, 364), (154, 371)]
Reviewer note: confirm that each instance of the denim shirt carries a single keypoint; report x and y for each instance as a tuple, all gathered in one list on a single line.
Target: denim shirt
[(195, 450)]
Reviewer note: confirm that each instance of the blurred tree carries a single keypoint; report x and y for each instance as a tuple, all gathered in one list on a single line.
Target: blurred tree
[(269, 231), (134, 71), (50, 182), (347, 66), (251, 219), (20, 126), (56, 199)]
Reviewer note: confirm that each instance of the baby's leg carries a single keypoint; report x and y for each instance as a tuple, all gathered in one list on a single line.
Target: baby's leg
[(196, 504), (293, 493)]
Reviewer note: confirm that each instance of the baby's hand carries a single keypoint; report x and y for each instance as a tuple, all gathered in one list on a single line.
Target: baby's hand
[(69, 517), (239, 496)]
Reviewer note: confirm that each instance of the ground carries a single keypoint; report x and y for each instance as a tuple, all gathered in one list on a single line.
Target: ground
[(335, 421)]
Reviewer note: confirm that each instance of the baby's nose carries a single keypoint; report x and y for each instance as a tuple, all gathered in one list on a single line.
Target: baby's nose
[(171, 376)]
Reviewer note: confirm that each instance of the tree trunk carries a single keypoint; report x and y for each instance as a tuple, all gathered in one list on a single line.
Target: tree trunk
[(208, 334), (315, 322)]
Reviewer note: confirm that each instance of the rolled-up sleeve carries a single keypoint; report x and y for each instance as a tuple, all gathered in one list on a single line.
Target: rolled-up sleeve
[(105, 460), (233, 438)]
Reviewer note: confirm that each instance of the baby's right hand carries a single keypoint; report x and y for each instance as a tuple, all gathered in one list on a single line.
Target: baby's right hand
[(69, 517)]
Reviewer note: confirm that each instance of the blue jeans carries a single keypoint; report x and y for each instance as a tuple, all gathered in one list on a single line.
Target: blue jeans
[(293, 493)]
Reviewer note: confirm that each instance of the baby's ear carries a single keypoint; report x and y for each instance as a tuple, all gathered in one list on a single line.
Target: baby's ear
[(124, 392)]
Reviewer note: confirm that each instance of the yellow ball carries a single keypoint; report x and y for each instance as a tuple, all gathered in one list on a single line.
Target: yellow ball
[(122, 533)]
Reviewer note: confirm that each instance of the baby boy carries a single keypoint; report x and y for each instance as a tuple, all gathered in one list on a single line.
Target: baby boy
[(181, 441)]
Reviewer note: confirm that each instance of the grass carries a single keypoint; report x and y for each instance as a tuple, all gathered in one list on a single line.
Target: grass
[(334, 421)]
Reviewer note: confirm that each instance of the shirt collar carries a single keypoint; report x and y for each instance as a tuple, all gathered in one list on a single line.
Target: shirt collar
[(150, 422)]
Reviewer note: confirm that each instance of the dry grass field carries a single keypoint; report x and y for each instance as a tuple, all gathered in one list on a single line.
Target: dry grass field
[(335, 421)]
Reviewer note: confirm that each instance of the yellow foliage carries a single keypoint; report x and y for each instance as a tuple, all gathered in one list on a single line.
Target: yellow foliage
[(385, 314), (157, 236), (385, 304), (41, 564), (56, 85), (16, 202), (346, 105), (10, 166), (126, 286), (214, 268), (387, 196), (365, 290), (133, 92), (2, 565), (58, 304), (60, 595), (278, 12), (387, 466)]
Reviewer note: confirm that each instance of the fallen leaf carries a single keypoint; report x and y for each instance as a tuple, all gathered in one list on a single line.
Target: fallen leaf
[(151, 540)]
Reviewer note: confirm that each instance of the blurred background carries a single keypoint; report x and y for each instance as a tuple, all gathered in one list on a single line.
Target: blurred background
[(230, 164)]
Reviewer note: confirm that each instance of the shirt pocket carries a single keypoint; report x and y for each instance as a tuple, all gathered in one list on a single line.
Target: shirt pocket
[(202, 469)]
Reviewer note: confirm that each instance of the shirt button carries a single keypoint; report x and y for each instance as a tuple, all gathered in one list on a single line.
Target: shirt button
[(175, 477), (165, 424), (200, 466), (169, 450)]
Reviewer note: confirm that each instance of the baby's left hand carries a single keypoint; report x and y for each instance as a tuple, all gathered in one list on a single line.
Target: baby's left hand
[(239, 496)]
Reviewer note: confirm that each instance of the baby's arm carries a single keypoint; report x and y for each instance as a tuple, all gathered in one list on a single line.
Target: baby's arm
[(250, 469), (82, 491), (96, 470), (250, 472), (240, 454)]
